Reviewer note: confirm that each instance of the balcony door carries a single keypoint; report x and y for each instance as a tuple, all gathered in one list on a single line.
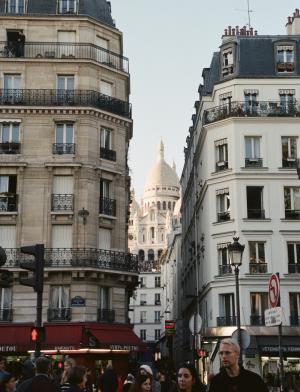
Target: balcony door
[(62, 243), (64, 139), (66, 44), (227, 310), (59, 303), (104, 239), (65, 89), (62, 197), (259, 303), (12, 85)]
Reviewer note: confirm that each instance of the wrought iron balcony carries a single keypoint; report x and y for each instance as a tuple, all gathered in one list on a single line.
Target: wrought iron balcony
[(292, 214), (221, 165), (47, 97), (107, 206), (107, 315), (258, 268), (59, 314), (256, 214), (253, 162), (63, 148), (105, 153), (223, 216), (226, 321), (10, 148), (294, 268), (242, 109), (257, 319), (60, 202), (289, 162), (79, 258), (8, 202), (295, 320), (157, 302), (6, 314), (64, 50), (225, 269)]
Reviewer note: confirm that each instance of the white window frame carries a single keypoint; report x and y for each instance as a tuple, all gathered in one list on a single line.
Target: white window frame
[(289, 144), (68, 3), (65, 79), (257, 259), (292, 196), (11, 126), (60, 295), (18, 3), (253, 140), (106, 136), (64, 132)]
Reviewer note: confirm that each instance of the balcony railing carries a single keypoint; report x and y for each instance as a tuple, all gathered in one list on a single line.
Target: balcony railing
[(258, 268), (107, 206), (107, 315), (289, 162), (60, 202), (64, 50), (47, 97), (223, 216), (292, 214), (105, 153), (8, 203), (226, 321), (256, 214), (10, 148), (63, 148), (294, 268), (253, 162), (242, 109), (79, 258), (295, 320), (221, 165), (225, 269), (257, 319), (59, 314), (6, 314)]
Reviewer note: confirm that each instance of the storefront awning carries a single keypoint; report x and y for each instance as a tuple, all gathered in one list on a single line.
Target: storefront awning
[(15, 338)]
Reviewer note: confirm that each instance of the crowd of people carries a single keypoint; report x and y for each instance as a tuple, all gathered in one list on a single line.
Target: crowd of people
[(37, 377)]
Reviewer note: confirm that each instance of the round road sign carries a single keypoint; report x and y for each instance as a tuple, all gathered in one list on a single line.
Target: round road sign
[(195, 323), (274, 291)]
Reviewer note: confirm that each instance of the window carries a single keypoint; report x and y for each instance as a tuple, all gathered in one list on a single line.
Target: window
[(289, 151), (8, 236), (152, 232), (142, 282), (252, 151), (157, 316), (287, 101), (62, 239), (107, 204), (223, 205), (164, 206), (158, 205), (64, 139), (67, 6), (257, 262), (259, 303), (295, 308), (157, 334), (141, 255), (143, 316), (227, 62), (105, 297), (227, 311), (103, 54), (251, 101), (65, 89), (106, 88), (255, 202), (9, 138), (293, 257), (67, 49), (221, 150), (62, 196), (106, 151), (59, 303), (143, 334), (104, 240), (225, 99), (157, 281), (224, 266), (8, 193), (12, 83), (15, 6), (169, 205), (104, 188), (151, 254), (292, 202), (5, 304), (157, 298), (143, 300), (285, 58)]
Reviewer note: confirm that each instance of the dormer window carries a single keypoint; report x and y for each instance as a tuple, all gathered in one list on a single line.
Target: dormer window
[(67, 6), (285, 58), (15, 6), (227, 62)]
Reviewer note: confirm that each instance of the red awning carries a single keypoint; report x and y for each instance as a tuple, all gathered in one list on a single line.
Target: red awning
[(59, 336), (15, 338)]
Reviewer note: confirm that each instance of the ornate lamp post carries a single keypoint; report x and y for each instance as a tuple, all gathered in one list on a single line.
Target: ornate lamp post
[(235, 254)]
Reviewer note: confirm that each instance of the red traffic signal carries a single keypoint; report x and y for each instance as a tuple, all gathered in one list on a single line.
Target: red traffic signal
[(201, 353), (37, 334), (33, 334)]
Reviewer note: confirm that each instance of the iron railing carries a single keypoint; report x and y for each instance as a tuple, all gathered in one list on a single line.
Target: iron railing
[(294, 268), (79, 258), (226, 321), (10, 148), (6, 314), (242, 109), (289, 162), (223, 216), (63, 148), (257, 319), (256, 214), (258, 268), (292, 214), (53, 97), (221, 165), (64, 50), (295, 320), (60, 202), (253, 162), (107, 206), (59, 314), (8, 203), (110, 155), (107, 315), (225, 269)]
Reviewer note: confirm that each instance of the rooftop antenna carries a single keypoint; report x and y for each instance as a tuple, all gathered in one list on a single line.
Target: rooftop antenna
[(249, 12)]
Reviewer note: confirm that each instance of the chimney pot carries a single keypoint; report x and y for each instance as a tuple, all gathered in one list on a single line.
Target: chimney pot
[(251, 31), (229, 30), (255, 32), (226, 32)]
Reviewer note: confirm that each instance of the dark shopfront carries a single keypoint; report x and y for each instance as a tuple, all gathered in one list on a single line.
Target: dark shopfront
[(90, 344)]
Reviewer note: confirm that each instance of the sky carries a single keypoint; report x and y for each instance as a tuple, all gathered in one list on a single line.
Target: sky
[(168, 43)]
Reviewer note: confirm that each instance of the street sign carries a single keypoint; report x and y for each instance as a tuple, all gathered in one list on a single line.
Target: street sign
[(274, 291), (245, 338), (195, 324), (273, 316)]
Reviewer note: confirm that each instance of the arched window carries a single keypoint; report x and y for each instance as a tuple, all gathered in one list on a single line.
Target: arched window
[(141, 255), (169, 205), (150, 255), (164, 205), (158, 205)]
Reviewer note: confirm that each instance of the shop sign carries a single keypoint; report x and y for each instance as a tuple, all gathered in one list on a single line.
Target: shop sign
[(123, 347), (9, 348), (63, 348), (77, 301), (285, 349)]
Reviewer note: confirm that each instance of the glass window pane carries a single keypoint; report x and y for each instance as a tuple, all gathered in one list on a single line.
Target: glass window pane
[(248, 145), (15, 133), (287, 198), (261, 252), (293, 147), (69, 133), (298, 253), (289, 56), (296, 198), (5, 133), (291, 254), (70, 83), (4, 184), (256, 147), (280, 56), (252, 251), (59, 134), (284, 144)]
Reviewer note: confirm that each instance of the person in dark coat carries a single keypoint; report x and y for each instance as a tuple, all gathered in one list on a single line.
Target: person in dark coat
[(77, 379), (108, 381), (188, 379)]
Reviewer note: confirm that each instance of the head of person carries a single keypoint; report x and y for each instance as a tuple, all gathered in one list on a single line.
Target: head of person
[(188, 378), (42, 365), (142, 383), (146, 370), (77, 376), (229, 353), (69, 363), (27, 369), (2, 363), (8, 383)]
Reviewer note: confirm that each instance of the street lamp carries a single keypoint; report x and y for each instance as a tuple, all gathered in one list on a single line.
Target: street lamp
[(235, 254)]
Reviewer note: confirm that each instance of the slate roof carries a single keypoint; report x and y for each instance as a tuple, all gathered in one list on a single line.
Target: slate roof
[(96, 9)]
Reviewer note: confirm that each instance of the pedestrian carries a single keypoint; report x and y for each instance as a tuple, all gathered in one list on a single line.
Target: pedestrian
[(188, 379), (41, 381), (77, 379), (146, 370), (69, 363), (108, 381), (7, 383), (128, 382), (233, 377), (142, 383), (3, 372), (165, 380), (27, 371)]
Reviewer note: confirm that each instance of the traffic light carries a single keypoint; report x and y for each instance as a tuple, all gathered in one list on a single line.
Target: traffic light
[(37, 334), (6, 278), (36, 266)]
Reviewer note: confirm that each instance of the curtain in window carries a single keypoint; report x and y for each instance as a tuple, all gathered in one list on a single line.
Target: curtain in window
[(63, 185), (8, 236), (104, 239), (6, 298)]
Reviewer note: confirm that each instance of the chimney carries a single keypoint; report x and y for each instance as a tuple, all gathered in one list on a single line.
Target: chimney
[(293, 23)]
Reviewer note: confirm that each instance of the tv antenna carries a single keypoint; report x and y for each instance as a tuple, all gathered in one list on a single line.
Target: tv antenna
[(249, 12)]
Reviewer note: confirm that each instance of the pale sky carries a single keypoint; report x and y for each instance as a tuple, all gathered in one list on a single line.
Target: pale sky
[(168, 43)]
